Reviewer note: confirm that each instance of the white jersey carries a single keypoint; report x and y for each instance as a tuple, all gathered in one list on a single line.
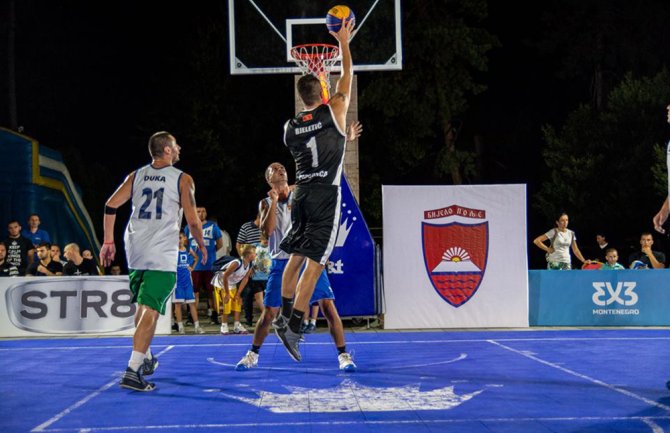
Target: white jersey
[(234, 278), (152, 234), (283, 226)]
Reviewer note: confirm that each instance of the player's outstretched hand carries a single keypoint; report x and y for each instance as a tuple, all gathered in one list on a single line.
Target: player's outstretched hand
[(354, 130), (107, 253), (345, 32)]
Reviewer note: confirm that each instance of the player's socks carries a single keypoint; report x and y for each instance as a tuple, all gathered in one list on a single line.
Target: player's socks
[(148, 354), (136, 360), (295, 322), (286, 306), (255, 348), (341, 350)]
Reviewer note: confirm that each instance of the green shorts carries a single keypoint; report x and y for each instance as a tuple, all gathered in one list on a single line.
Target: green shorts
[(152, 288)]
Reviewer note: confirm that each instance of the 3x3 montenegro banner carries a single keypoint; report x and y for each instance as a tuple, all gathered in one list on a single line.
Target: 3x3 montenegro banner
[(455, 256)]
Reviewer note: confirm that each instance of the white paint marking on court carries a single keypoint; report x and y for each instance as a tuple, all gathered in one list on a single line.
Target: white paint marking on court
[(460, 357), (349, 343), (47, 423), (655, 428), (367, 422), (583, 376)]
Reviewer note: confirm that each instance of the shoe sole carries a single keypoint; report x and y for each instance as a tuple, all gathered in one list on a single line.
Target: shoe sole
[(151, 387)]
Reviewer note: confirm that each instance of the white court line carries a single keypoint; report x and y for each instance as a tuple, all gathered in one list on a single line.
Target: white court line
[(349, 343), (367, 422), (47, 423), (583, 376), (655, 428)]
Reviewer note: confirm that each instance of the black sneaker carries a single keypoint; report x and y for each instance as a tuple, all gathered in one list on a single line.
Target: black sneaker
[(149, 366), (280, 322), (134, 380), (291, 341)]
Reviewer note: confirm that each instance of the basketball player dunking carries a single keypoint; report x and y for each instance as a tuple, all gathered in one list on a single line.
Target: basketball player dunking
[(157, 193), (316, 138)]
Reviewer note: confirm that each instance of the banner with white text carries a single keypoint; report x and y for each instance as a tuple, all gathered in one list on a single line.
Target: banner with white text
[(69, 306), (455, 256)]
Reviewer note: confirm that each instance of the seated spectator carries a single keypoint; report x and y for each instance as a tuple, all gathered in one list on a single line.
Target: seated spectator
[(34, 233), (20, 251), (55, 254), (76, 264), (6, 269), (115, 270), (600, 251), (611, 257), (45, 266), (646, 258)]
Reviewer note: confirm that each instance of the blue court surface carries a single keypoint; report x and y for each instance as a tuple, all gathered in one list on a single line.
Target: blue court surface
[(476, 381)]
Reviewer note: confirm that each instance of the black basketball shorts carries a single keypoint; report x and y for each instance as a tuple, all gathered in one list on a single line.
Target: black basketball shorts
[(315, 219)]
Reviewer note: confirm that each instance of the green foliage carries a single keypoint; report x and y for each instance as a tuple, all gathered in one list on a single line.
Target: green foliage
[(604, 168)]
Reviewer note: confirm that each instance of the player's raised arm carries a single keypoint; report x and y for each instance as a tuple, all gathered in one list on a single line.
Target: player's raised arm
[(120, 197), (339, 102), (187, 192)]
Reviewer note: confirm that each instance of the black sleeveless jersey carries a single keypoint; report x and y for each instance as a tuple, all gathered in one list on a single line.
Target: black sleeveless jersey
[(317, 146)]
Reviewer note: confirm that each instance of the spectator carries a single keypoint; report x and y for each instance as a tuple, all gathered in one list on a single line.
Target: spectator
[(646, 258), (226, 243), (56, 255), (202, 273), (20, 251), (229, 283), (76, 264), (611, 257), (561, 240), (45, 267), (601, 248), (115, 270), (34, 234), (250, 234), (6, 269), (183, 293)]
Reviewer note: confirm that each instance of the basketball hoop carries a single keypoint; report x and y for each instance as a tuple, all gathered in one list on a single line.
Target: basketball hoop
[(318, 60)]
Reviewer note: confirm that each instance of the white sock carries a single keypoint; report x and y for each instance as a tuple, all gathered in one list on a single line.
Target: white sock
[(306, 322), (148, 354), (237, 324), (136, 360), (313, 322), (196, 324), (180, 325)]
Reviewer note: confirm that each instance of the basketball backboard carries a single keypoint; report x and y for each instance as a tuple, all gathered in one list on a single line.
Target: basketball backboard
[(262, 33)]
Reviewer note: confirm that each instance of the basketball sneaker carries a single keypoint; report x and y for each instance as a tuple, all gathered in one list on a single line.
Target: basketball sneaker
[(250, 360), (134, 380), (181, 331), (291, 341), (149, 366), (199, 330), (346, 362), (311, 327), (239, 329), (280, 322)]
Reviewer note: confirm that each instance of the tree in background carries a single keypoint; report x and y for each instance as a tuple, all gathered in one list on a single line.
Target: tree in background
[(604, 167)]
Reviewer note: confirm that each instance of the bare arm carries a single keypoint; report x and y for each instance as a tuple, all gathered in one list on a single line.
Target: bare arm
[(339, 102), (539, 242), (652, 258), (187, 191), (120, 197), (269, 213), (662, 216)]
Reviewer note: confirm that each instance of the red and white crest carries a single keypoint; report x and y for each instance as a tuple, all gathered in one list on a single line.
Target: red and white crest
[(455, 256)]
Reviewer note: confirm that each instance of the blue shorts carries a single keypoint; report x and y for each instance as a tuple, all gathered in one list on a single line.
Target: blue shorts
[(273, 288)]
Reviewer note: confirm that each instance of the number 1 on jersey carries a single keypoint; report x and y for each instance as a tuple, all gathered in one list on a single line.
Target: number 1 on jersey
[(311, 145)]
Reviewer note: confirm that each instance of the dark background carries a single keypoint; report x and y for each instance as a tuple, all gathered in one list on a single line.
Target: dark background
[(95, 79)]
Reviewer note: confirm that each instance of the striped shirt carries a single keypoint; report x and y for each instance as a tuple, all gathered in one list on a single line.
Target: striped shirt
[(249, 234)]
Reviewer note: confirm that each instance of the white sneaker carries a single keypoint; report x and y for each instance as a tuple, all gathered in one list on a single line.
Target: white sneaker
[(181, 331), (199, 330), (240, 329), (346, 362), (224, 328), (250, 360)]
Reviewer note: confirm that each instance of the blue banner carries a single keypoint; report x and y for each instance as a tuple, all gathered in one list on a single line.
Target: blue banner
[(599, 298), (351, 267)]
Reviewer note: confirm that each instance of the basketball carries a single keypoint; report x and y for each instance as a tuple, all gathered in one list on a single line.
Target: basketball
[(336, 15)]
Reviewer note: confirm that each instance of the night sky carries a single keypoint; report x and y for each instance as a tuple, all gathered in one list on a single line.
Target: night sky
[(95, 79)]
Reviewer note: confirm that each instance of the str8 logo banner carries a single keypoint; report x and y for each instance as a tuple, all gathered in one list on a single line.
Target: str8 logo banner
[(75, 305)]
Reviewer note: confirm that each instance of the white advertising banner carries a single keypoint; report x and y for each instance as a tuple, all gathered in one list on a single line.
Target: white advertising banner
[(69, 306), (455, 256)]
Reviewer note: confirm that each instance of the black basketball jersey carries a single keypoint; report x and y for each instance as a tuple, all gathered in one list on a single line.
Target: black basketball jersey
[(317, 145)]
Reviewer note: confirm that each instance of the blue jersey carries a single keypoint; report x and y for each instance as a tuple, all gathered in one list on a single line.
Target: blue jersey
[(210, 234), (184, 260)]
